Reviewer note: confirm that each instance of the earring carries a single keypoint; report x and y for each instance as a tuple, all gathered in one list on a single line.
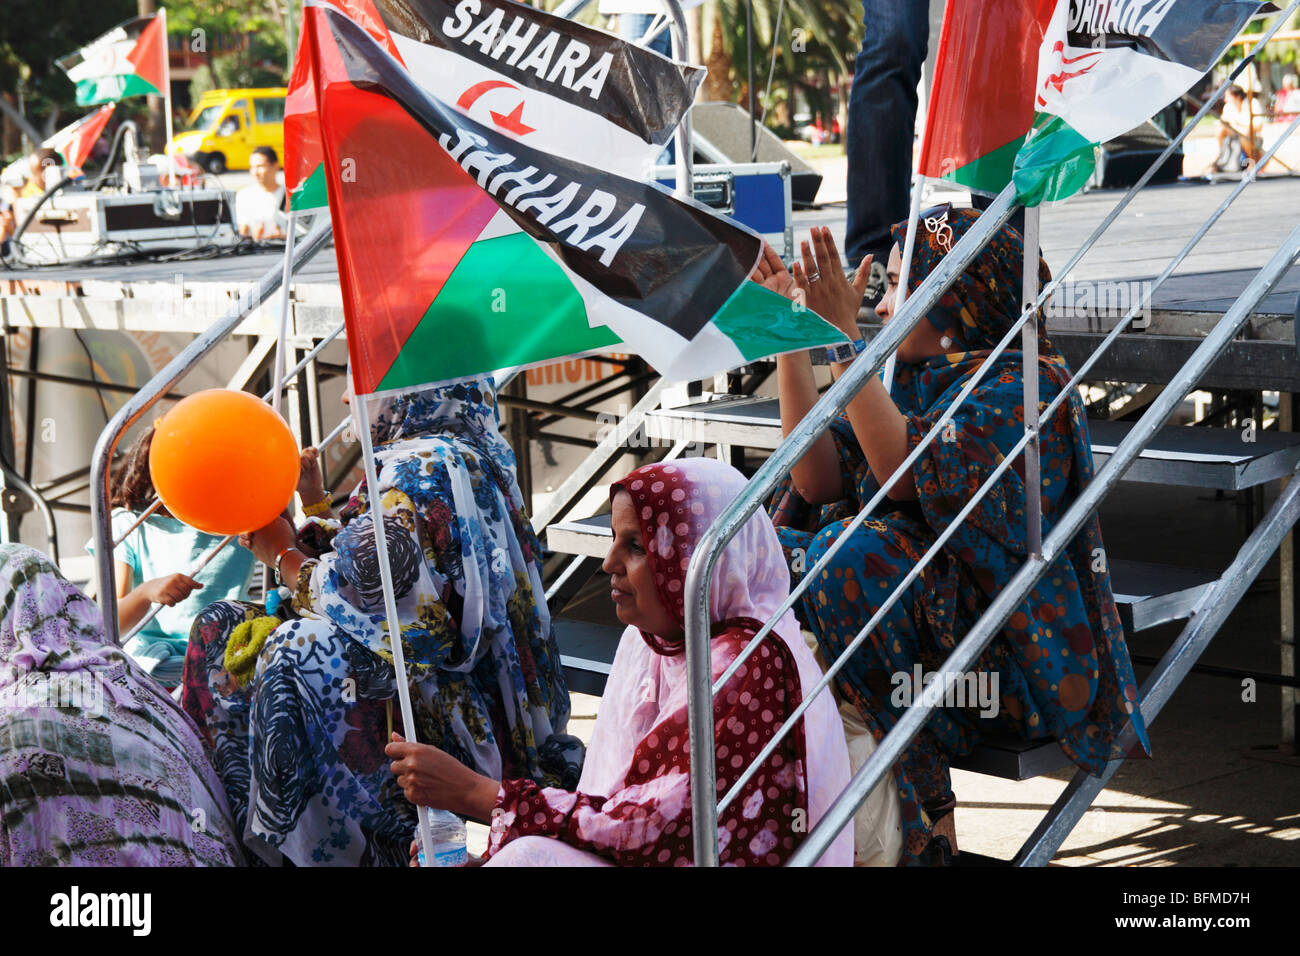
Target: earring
[(944, 342)]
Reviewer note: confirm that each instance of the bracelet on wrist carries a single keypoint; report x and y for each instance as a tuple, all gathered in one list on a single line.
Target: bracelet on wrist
[(279, 559), (842, 352), (319, 508)]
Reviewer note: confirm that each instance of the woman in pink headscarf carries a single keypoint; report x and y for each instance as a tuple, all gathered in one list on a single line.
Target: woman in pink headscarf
[(632, 806)]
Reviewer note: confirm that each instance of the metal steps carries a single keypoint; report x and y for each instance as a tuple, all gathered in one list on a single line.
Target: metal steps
[(586, 653), (1218, 458), (1146, 594)]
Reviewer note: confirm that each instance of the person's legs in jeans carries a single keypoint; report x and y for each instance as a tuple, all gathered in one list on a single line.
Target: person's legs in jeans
[(882, 117)]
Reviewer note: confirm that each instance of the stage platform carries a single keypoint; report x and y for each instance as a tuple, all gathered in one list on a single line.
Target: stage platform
[(139, 296)]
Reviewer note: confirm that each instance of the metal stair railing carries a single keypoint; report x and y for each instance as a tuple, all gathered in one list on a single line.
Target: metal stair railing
[(702, 690), (148, 395), (1206, 619), (817, 420), (990, 623)]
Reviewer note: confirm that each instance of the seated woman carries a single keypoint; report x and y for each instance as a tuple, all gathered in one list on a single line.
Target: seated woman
[(1060, 669), (298, 726), (98, 766), (632, 806), (151, 564)]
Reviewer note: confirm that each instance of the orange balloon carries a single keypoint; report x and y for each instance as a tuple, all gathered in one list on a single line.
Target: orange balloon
[(223, 462)]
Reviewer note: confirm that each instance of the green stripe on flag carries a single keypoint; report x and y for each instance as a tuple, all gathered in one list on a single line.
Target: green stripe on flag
[(991, 172), (761, 323), (310, 193), (506, 303), (1055, 162), (111, 89)]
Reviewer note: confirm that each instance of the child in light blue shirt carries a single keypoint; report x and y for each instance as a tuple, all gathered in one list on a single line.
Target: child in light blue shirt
[(153, 562)]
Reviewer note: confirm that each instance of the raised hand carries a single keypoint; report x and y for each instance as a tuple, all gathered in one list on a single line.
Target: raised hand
[(311, 483), (771, 274), (826, 289)]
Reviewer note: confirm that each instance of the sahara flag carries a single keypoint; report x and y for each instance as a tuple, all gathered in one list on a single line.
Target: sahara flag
[(74, 142), (573, 90), (463, 248), (129, 60), (1073, 73)]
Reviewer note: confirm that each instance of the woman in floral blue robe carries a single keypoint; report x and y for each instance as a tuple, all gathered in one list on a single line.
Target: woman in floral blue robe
[(299, 740), (1061, 666)]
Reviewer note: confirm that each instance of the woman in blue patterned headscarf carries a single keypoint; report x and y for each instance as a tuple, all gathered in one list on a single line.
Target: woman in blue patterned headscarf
[(1061, 666), (298, 728)]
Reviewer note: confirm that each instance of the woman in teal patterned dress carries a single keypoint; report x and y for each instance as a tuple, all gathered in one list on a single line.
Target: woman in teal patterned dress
[(1061, 666), (298, 729)]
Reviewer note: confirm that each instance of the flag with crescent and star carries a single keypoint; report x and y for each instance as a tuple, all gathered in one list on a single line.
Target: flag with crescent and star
[(1026, 90), (496, 227)]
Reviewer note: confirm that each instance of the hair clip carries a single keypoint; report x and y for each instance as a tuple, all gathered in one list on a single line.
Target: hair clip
[(937, 225)]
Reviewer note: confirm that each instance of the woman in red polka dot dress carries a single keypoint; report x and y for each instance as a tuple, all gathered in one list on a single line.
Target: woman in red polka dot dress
[(633, 803)]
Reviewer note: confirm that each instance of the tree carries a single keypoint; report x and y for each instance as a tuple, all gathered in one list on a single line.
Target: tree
[(34, 35), (262, 61), (816, 41)]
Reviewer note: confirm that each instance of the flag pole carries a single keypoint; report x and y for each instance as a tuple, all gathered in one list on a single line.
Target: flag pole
[(909, 241), (909, 245), (1029, 347), (277, 369), (390, 600), (167, 80)]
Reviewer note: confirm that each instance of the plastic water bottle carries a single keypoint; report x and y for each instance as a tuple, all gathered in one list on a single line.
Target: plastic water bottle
[(448, 834)]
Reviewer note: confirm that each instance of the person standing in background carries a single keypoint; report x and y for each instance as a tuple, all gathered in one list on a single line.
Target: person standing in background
[(259, 206), (881, 132), (882, 120)]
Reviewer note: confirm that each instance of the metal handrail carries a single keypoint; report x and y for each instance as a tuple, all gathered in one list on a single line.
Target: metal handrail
[(1203, 623), (1027, 442), (729, 522), (143, 400), (731, 519), (16, 481), (991, 621), (1051, 287), (140, 519), (307, 359), (925, 558)]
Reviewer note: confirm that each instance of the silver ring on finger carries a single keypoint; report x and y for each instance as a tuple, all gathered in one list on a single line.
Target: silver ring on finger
[(814, 276)]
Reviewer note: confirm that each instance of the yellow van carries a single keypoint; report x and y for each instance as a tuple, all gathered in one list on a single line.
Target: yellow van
[(225, 127)]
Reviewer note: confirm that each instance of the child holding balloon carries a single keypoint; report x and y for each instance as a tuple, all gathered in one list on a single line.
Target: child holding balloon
[(152, 564)]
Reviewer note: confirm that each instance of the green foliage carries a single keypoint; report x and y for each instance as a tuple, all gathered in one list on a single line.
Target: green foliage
[(34, 34), (815, 39), (1283, 51), (262, 64)]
